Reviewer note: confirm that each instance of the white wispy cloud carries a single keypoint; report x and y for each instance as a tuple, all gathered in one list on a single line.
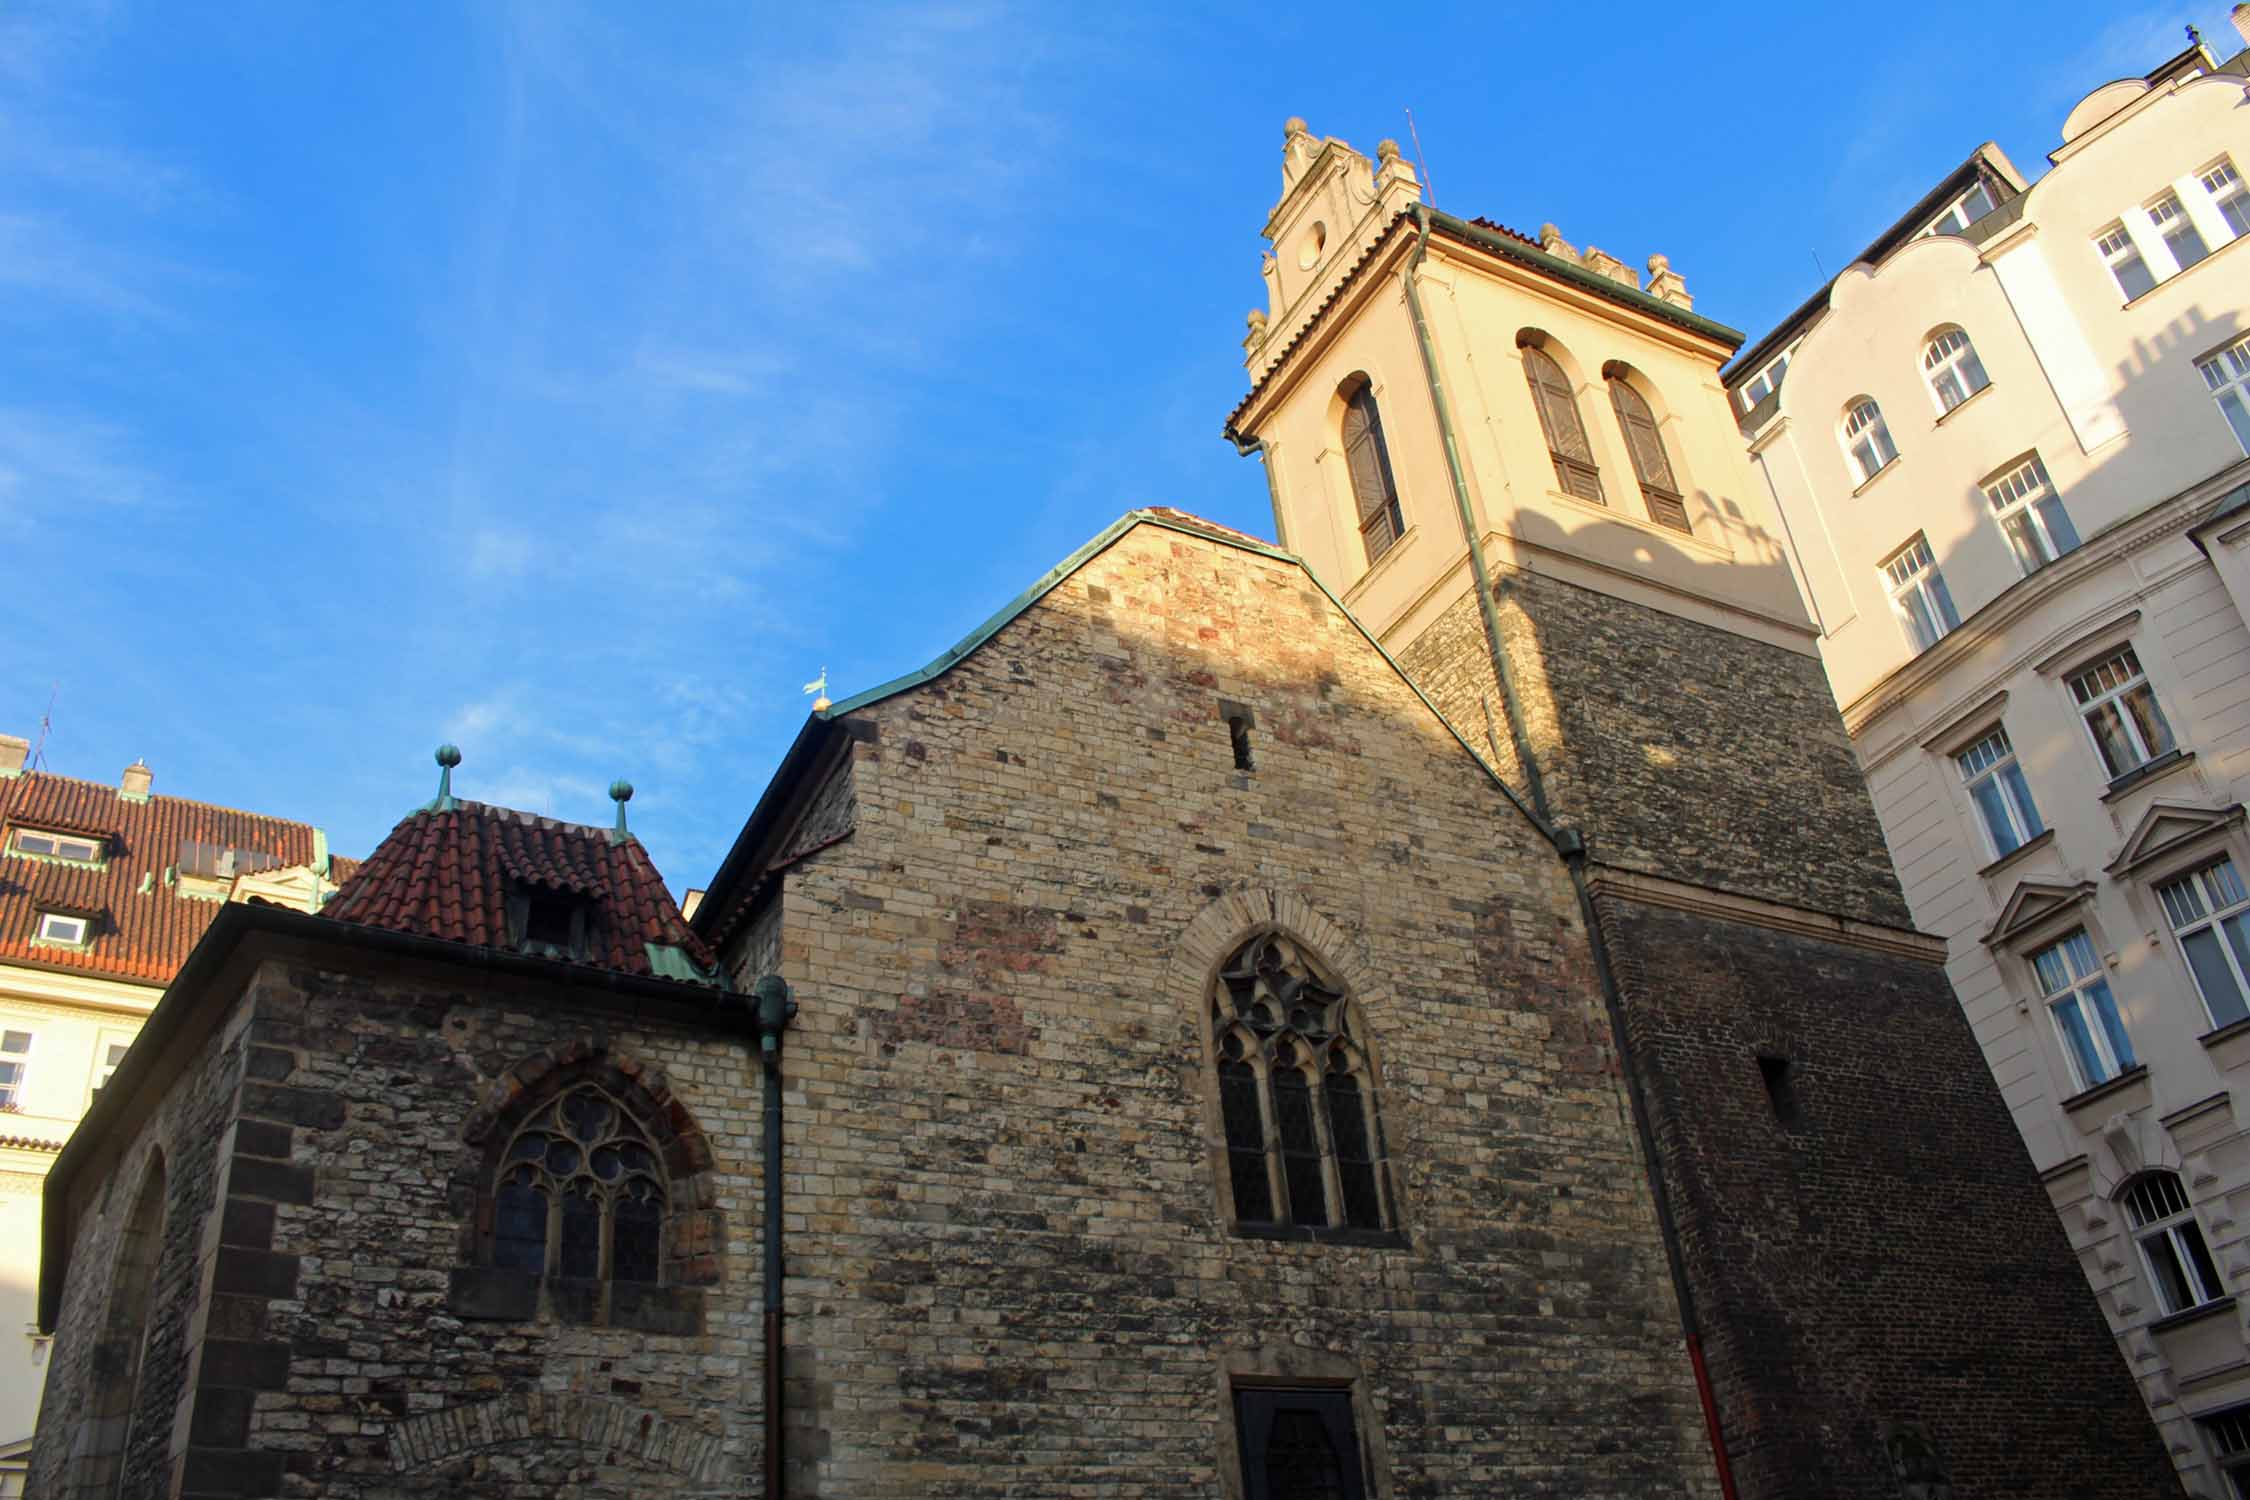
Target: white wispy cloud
[(57, 463)]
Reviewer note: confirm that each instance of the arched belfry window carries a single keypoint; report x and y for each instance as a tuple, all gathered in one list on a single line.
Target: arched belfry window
[(581, 1194), (1297, 1094), (1368, 460), (1551, 393), (1651, 465)]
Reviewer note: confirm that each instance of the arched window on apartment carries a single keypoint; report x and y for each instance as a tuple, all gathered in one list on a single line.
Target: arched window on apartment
[(1567, 444), (1951, 366), (1297, 1094), (1867, 440), (581, 1194), (1368, 460), (2179, 1265), (1660, 490)]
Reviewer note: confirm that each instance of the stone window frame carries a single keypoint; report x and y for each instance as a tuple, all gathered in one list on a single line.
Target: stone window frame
[(691, 1240), (1292, 1366), (2020, 940), (1213, 937), (2148, 1216), (2140, 877)]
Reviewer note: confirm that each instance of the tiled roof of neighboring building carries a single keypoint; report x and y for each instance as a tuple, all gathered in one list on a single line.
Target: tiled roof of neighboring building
[(142, 920), (451, 872)]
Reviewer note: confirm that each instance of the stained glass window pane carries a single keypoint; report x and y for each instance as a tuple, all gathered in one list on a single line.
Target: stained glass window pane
[(636, 1228), (581, 1236), (519, 1228), (1355, 1166), (1300, 1147)]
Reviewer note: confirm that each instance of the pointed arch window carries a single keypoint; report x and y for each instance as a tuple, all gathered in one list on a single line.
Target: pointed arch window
[(581, 1194), (1368, 460), (1575, 470), (107, 1427), (1297, 1095), (1651, 465)]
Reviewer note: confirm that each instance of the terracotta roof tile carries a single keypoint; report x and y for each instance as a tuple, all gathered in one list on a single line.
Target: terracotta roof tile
[(143, 925), (450, 874)]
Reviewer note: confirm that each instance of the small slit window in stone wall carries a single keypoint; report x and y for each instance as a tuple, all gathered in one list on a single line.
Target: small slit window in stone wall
[(1297, 1095), (1240, 721), (581, 1194), (1781, 1088)]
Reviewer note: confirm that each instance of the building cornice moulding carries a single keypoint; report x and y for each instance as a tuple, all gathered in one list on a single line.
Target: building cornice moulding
[(1697, 900)]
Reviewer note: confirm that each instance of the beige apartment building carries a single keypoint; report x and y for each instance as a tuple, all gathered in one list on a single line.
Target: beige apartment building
[(2009, 446), (104, 889)]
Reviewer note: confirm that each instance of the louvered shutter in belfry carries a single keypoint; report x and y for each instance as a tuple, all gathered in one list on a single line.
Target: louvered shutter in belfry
[(1558, 410), (1640, 436), (1369, 463)]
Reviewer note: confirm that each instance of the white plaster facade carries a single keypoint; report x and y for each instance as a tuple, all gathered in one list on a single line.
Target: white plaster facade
[(2102, 381)]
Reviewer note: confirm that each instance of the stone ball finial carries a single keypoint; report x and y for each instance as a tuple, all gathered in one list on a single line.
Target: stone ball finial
[(621, 791), (1295, 126), (1549, 232), (449, 756), (1659, 264), (1256, 318), (1386, 151)]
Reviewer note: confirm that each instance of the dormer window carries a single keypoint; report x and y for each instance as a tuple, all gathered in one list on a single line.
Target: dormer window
[(548, 923), (1963, 211), (70, 846), (63, 927)]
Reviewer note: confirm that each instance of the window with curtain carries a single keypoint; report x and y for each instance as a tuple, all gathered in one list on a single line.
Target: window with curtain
[(2085, 1012), (2002, 796), (1296, 1094), (2031, 514), (2121, 713), (1651, 466), (1368, 460), (1567, 444), (2210, 916)]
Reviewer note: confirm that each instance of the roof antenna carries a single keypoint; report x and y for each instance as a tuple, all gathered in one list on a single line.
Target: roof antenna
[(818, 687), (1429, 189), (46, 724), (1815, 254)]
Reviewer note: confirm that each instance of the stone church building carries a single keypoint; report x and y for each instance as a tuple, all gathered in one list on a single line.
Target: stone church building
[(1423, 1010)]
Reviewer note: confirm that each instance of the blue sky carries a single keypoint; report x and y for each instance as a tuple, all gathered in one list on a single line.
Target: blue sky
[(575, 382)]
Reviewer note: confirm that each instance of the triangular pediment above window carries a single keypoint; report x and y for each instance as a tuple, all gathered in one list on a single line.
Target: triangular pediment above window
[(2031, 903), (2169, 826)]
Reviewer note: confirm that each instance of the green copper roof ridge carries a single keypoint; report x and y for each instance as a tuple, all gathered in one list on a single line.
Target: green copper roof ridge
[(1593, 281), (960, 651)]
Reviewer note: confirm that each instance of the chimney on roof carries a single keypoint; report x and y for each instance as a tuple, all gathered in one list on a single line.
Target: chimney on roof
[(2241, 19), (13, 749), (133, 785)]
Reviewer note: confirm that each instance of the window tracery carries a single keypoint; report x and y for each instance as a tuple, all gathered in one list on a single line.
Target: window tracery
[(1297, 1095), (581, 1194)]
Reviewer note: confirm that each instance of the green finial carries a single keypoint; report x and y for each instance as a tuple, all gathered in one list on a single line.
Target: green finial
[(448, 756), (620, 792)]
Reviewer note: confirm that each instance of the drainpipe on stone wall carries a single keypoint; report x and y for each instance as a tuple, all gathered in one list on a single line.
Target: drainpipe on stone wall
[(1485, 604), (1571, 845), (1247, 446), (771, 1012)]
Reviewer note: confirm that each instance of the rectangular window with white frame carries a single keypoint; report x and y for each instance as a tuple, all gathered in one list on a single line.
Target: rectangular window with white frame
[(2181, 237), (2030, 514), (2123, 258), (15, 1061), (2210, 916), (2226, 375), (2076, 990), (64, 928), (2229, 195), (2120, 711), (2001, 795), (109, 1053), (64, 846), (1919, 595)]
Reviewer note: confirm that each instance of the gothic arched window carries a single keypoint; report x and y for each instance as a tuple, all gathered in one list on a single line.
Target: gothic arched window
[(1368, 460), (1296, 1094), (1566, 431), (581, 1194), (1650, 464), (106, 1429)]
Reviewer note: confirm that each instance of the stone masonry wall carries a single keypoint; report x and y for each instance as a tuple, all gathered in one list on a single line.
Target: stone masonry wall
[(1009, 1273), (1678, 749), (187, 1133), (378, 1359), (1887, 1257)]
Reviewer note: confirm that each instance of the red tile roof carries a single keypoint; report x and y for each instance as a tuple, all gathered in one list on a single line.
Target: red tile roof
[(143, 925), (450, 875)]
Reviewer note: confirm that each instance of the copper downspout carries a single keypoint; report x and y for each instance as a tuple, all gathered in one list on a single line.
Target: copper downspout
[(771, 1013)]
